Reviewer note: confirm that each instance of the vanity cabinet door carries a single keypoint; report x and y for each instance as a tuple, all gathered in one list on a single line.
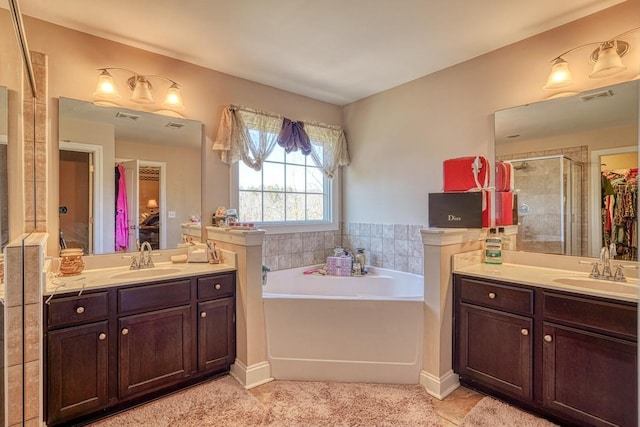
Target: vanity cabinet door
[(154, 350), (494, 349), (216, 334), (590, 377), (77, 359)]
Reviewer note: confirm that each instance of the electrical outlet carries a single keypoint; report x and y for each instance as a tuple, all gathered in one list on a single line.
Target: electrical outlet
[(172, 214)]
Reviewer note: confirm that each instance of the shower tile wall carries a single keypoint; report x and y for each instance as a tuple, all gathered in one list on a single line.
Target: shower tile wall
[(577, 153), (394, 246)]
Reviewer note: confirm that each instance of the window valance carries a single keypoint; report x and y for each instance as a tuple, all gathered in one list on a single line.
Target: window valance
[(251, 135)]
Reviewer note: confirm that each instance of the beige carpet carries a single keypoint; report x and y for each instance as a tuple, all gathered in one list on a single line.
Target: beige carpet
[(225, 403), (490, 412)]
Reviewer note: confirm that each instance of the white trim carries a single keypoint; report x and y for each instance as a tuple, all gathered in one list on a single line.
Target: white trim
[(251, 376), (451, 236), (98, 196), (594, 191), (439, 387), (4, 139), (163, 197)]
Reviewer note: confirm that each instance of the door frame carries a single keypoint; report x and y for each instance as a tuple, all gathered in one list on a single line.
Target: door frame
[(594, 194), (162, 203), (98, 241)]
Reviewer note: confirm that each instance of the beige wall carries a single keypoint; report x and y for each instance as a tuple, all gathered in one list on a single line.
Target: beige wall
[(399, 138)]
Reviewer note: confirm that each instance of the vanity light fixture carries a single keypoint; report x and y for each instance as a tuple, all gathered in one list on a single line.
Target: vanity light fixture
[(607, 59), (107, 92)]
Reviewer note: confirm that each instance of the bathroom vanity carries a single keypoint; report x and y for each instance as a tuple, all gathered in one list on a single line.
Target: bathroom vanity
[(557, 350), (109, 348)]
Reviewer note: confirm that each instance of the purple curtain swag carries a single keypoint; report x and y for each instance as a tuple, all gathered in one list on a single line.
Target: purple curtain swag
[(293, 137)]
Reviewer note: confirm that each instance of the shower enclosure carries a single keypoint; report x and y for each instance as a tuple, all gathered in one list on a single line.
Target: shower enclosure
[(550, 207)]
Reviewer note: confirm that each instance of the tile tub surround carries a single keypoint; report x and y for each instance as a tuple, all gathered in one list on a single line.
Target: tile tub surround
[(393, 246)]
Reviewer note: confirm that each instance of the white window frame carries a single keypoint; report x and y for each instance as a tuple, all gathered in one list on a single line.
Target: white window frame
[(334, 200)]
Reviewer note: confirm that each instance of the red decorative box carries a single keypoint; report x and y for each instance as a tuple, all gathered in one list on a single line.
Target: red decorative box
[(504, 176), (466, 173), (505, 208)]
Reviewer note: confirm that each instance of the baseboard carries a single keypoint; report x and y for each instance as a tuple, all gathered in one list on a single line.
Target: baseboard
[(251, 376), (439, 387)]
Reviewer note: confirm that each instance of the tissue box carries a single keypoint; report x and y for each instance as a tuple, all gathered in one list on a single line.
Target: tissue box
[(197, 253), (460, 209), (339, 265)]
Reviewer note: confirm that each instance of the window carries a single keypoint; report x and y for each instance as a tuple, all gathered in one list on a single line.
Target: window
[(290, 189)]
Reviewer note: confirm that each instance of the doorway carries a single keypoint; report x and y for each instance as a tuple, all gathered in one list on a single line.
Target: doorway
[(76, 200), (613, 202)]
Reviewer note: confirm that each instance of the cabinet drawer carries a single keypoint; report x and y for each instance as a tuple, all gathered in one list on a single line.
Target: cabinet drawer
[(503, 297), (149, 297), (73, 310), (605, 316), (222, 285)]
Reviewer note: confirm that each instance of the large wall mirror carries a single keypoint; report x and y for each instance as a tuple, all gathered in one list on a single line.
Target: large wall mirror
[(107, 152), (575, 168)]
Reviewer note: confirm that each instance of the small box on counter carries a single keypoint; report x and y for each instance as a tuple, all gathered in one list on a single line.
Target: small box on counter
[(339, 265), (460, 209)]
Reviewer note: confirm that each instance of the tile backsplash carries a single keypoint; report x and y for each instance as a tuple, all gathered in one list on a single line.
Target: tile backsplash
[(393, 246)]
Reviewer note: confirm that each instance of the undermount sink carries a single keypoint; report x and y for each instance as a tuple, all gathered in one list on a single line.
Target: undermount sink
[(631, 286), (146, 273)]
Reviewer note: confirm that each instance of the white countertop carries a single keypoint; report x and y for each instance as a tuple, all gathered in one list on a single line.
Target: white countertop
[(551, 278), (117, 276)]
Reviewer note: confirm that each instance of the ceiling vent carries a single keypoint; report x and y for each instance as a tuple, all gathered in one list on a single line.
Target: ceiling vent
[(595, 95), (174, 125), (121, 115)]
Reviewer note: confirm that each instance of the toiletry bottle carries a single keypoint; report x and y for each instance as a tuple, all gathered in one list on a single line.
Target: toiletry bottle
[(361, 259), (493, 248)]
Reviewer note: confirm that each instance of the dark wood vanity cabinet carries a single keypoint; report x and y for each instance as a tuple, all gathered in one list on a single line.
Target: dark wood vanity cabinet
[(567, 356), (109, 349)]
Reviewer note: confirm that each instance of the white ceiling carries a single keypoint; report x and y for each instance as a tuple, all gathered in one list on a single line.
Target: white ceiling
[(337, 51)]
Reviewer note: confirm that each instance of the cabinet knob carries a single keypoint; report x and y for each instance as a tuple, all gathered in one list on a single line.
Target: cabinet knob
[(203, 314), (548, 338), (524, 332), (218, 286), (492, 295), (125, 331), (102, 336), (80, 310)]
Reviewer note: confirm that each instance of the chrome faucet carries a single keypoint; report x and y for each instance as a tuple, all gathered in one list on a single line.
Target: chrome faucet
[(605, 257), (144, 259)]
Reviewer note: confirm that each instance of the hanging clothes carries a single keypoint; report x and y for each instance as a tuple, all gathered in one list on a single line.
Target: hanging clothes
[(619, 212), (122, 230)]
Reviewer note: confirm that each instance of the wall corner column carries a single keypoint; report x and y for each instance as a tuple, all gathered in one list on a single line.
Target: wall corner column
[(440, 244), (251, 366)]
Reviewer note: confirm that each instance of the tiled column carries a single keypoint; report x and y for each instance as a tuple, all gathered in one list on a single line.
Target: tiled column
[(23, 357), (440, 245), (251, 367)]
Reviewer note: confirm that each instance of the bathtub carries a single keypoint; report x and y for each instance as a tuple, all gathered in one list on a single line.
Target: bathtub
[(355, 329)]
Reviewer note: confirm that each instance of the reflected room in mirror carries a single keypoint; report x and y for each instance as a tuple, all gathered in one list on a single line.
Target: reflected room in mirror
[(125, 177), (575, 166)]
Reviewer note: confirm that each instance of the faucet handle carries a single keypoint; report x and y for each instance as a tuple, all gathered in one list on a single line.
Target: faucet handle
[(595, 272), (619, 275)]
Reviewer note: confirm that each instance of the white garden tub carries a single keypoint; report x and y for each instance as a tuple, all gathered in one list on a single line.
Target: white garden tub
[(356, 329)]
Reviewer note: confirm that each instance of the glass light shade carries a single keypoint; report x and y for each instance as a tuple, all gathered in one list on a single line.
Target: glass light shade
[(608, 63), (560, 75), (173, 100), (106, 88), (152, 204), (142, 92)]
